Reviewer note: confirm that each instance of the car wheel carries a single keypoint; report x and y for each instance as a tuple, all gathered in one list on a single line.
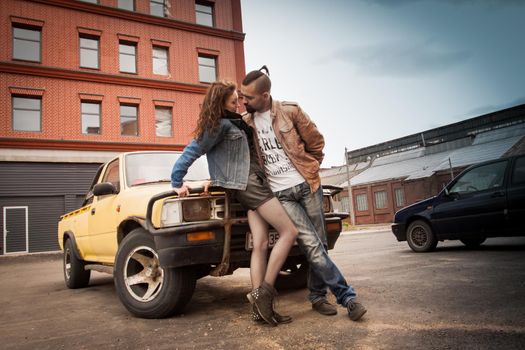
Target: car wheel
[(145, 288), (293, 275), (74, 273), (420, 237), (473, 242)]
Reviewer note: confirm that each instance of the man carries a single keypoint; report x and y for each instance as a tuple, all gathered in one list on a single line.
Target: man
[(291, 150)]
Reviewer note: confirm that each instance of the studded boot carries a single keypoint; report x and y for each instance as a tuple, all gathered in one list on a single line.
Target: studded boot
[(262, 299), (256, 317)]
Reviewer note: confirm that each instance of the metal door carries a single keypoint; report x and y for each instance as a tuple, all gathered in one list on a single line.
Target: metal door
[(15, 230)]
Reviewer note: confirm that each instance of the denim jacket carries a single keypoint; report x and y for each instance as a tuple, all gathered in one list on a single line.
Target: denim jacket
[(228, 157)]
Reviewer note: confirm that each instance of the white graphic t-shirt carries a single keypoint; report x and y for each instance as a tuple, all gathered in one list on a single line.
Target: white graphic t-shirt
[(281, 172)]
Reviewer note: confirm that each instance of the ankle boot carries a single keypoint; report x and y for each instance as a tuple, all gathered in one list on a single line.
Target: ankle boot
[(256, 317), (262, 299)]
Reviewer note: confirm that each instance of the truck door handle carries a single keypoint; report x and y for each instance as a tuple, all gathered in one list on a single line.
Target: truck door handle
[(93, 211), (498, 194)]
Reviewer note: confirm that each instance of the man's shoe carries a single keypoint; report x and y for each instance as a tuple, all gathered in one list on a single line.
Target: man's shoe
[(262, 299), (356, 310), (256, 317), (324, 307)]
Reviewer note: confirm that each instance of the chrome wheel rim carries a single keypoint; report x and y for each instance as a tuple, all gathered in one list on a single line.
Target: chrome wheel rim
[(67, 263), (143, 275)]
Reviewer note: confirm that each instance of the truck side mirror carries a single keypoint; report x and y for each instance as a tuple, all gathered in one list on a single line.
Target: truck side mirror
[(104, 188)]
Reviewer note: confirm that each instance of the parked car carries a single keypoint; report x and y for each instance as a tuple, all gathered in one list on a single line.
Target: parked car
[(132, 224), (485, 200)]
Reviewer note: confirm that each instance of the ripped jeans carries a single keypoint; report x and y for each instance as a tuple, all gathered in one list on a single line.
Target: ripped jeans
[(306, 211)]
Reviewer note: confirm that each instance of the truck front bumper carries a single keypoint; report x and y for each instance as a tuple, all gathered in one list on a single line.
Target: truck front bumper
[(175, 250)]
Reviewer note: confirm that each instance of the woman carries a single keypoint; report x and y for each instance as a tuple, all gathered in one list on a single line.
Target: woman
[(227, 141)]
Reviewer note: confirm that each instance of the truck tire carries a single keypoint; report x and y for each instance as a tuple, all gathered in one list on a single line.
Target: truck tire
[(420, 237), (75, 275), (293, 275), (145, 288)]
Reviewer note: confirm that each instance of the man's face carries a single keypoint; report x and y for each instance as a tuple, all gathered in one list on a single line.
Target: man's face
[(253, 100)]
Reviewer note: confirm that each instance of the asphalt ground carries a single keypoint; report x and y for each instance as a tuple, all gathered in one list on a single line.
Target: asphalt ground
[(454, 298)]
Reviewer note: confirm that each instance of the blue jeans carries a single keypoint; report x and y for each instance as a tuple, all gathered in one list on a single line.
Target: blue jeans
[(306, 211)]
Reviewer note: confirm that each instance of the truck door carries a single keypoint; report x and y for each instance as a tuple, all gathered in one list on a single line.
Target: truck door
[(476, 203), (516, 198), (102, 217)]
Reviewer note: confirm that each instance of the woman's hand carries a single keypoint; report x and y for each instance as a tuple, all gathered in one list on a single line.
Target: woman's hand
[(182, 191), (206, 186)]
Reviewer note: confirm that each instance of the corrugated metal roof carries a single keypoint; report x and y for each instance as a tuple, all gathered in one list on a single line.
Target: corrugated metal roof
[(414, 164)]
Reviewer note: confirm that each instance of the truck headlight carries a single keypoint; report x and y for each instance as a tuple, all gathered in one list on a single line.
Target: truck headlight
[(187, 210), (171, 213), (196, 210)]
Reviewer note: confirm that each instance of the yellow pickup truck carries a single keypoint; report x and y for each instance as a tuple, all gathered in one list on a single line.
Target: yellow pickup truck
[(156, 245)]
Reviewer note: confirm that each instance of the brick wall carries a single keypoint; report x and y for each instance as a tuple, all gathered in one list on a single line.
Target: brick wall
[(62, 83)]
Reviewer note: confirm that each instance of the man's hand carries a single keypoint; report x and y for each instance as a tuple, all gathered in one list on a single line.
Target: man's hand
[(182, 191)]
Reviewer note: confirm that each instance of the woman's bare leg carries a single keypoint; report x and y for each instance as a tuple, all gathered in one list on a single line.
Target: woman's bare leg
[(274, 214), (259, 230)]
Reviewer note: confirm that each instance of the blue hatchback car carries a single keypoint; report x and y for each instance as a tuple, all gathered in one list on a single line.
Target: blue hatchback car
[(485, 200)]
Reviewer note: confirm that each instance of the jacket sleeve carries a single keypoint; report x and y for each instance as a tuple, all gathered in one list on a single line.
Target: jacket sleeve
[(312, 138), (192, 152)]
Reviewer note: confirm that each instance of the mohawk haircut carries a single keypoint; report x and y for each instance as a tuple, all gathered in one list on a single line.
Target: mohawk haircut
[(261, 79)]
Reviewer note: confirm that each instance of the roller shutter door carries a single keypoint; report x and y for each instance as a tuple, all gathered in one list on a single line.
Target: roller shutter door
[(48, 190)]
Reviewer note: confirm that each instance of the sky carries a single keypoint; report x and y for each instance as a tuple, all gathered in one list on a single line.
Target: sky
[(370, 71)]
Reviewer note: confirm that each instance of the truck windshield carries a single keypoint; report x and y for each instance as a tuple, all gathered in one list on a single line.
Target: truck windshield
[(142, 168)]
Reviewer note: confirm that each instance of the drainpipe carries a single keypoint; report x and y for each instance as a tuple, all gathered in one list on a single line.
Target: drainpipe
[(350, 200)]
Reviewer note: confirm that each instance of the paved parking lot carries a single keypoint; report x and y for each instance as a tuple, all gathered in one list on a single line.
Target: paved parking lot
[(454, 298)]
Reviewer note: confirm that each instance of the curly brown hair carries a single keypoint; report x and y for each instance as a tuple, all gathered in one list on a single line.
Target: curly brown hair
[(213, 106)]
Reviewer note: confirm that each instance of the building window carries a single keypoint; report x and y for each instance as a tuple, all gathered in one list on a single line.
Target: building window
[(362, 202), (380, 199), (26, 44), (163, 118), (91, 1), (27, 113), (156, 8), (90, 117), (126, 5), (129, 120), (400, 197), (207, 69), (160, 60), (128, 57), (89, 57), (204, 13)]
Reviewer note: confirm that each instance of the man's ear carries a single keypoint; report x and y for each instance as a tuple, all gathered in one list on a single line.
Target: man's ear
[(266, 95)]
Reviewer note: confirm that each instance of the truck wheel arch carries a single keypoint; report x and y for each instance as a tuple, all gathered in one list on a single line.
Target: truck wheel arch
[(128, 225), (70, 235)]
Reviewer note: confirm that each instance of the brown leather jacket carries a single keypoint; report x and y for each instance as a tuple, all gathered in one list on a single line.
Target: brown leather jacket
[(298, 135)]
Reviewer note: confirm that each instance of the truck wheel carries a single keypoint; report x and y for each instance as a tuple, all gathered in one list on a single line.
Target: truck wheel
[(293, 275), (473, 242), (420, 237), (143, 286), (74, 273)]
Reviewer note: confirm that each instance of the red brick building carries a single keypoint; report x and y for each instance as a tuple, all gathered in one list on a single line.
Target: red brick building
[(83, 80)]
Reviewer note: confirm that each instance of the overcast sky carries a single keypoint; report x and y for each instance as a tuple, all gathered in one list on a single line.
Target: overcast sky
[(369, 71)]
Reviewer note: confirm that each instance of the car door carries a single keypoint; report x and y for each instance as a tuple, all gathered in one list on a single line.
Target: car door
[(516, 198), (475, 204), (102, 217)]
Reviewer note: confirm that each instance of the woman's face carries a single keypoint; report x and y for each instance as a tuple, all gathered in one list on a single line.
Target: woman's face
[(232, 102)]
